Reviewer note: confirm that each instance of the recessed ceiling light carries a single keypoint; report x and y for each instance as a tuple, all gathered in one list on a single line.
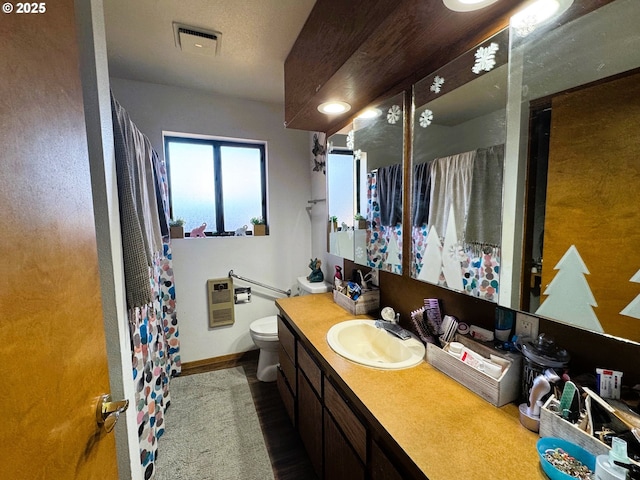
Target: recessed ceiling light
[(333, 108), (370, 113), (467, 5), (535, 13)]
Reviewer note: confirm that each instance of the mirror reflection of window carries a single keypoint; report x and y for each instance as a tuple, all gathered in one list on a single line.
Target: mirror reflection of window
[(341, 201)]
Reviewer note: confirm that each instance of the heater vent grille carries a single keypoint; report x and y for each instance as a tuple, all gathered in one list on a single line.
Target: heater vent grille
[(220, 300)]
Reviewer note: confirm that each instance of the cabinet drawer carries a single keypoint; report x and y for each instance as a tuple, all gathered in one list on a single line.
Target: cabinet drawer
[(310, 369), (352, 428), (287, 340), (287, 396), (288, 368)]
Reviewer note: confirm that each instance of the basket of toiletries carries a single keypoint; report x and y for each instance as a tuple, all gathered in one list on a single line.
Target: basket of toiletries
[(490, 373), (366, 302), (553, 425)]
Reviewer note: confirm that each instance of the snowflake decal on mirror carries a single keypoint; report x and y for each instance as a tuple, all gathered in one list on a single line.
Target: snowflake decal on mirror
[(526, 25), (394, 114), (485, 58), (456, 252), (436, 86), (426, 118), (350, 141), (357, 154)]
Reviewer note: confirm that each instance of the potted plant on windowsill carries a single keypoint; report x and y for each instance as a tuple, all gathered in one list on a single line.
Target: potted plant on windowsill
[(176, 228), (361, 222), (333, 223), (259, 226)]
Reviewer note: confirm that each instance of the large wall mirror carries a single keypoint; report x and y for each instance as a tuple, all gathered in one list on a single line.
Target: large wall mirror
[(459, 131), (374, 141), (573, 152)]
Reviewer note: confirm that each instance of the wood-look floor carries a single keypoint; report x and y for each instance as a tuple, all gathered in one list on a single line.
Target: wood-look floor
[(288, 456)]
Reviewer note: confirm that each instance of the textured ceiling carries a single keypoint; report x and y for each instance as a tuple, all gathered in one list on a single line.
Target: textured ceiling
[(256, 37)]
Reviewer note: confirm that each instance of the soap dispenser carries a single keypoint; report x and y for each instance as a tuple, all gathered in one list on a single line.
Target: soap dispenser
[(606, 469)]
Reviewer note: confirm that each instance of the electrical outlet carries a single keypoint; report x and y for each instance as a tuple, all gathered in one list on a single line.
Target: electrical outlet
[(526, 325)]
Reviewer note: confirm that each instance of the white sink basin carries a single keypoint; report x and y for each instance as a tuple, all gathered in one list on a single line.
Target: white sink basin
[(362, 342)]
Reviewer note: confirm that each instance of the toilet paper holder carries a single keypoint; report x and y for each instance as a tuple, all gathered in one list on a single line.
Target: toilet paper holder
[(242, 295)]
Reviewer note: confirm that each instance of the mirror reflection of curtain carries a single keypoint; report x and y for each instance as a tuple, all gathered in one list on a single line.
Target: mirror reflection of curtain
[(421, 194), (450, 190), (483, 223), (384, 237), (459, 244), (390, 194)]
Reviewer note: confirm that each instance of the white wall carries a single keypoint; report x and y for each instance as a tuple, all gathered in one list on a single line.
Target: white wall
[(276, 259)]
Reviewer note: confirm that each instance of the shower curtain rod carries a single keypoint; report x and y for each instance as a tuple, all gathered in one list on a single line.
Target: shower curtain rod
[(284, 292)]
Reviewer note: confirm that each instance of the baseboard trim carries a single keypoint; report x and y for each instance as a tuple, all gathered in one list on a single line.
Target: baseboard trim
[(219, 363)]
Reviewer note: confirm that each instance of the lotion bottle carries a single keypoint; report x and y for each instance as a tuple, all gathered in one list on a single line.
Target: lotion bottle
[(606, 469)]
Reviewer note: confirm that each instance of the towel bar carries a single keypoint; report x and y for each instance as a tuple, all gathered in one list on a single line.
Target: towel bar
[(284, 292)]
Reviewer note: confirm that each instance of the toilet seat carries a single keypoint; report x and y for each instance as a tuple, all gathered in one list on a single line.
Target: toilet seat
[(265, 328)]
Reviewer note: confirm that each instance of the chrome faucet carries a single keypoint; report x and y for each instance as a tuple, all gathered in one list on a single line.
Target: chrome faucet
[(394, 328)]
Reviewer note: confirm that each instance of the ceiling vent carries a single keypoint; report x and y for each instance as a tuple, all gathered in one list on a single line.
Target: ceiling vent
[(196, 40)]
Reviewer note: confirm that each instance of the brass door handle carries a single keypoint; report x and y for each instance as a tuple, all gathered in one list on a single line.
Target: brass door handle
[(107, 411)]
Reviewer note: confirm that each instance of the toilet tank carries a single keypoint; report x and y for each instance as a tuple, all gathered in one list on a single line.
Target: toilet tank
[(305, 287)]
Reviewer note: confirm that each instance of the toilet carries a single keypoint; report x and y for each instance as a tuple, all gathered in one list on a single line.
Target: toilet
[(305, 287), (264, 333)]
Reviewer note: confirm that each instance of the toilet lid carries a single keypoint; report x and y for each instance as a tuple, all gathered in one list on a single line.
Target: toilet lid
[(265, 326)]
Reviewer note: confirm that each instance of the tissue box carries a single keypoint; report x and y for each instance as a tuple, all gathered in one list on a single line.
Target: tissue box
[(498, 391), (368, 301)]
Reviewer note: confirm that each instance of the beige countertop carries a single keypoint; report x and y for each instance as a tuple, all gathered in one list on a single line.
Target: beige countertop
[(448, 431)]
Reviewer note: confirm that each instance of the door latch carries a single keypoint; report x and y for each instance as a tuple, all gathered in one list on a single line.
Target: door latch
[(108, 411)]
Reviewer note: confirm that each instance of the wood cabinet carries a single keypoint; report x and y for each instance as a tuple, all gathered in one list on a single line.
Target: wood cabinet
[(381, 467), (342, 460), (331, 427), (354, 430), (287, 377), (310, 410), (381, 49)]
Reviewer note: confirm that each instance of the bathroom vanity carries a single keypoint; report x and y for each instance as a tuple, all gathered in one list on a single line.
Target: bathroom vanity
[(358, 422)]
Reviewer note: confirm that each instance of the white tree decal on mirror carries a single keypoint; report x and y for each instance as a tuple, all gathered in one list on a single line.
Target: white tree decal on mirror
[(633, 309), (569, 296)]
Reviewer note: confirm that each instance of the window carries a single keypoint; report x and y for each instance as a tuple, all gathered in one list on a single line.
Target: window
[(218, 182)]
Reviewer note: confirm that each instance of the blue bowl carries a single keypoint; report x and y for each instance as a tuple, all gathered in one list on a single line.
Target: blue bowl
[(572, 449)]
